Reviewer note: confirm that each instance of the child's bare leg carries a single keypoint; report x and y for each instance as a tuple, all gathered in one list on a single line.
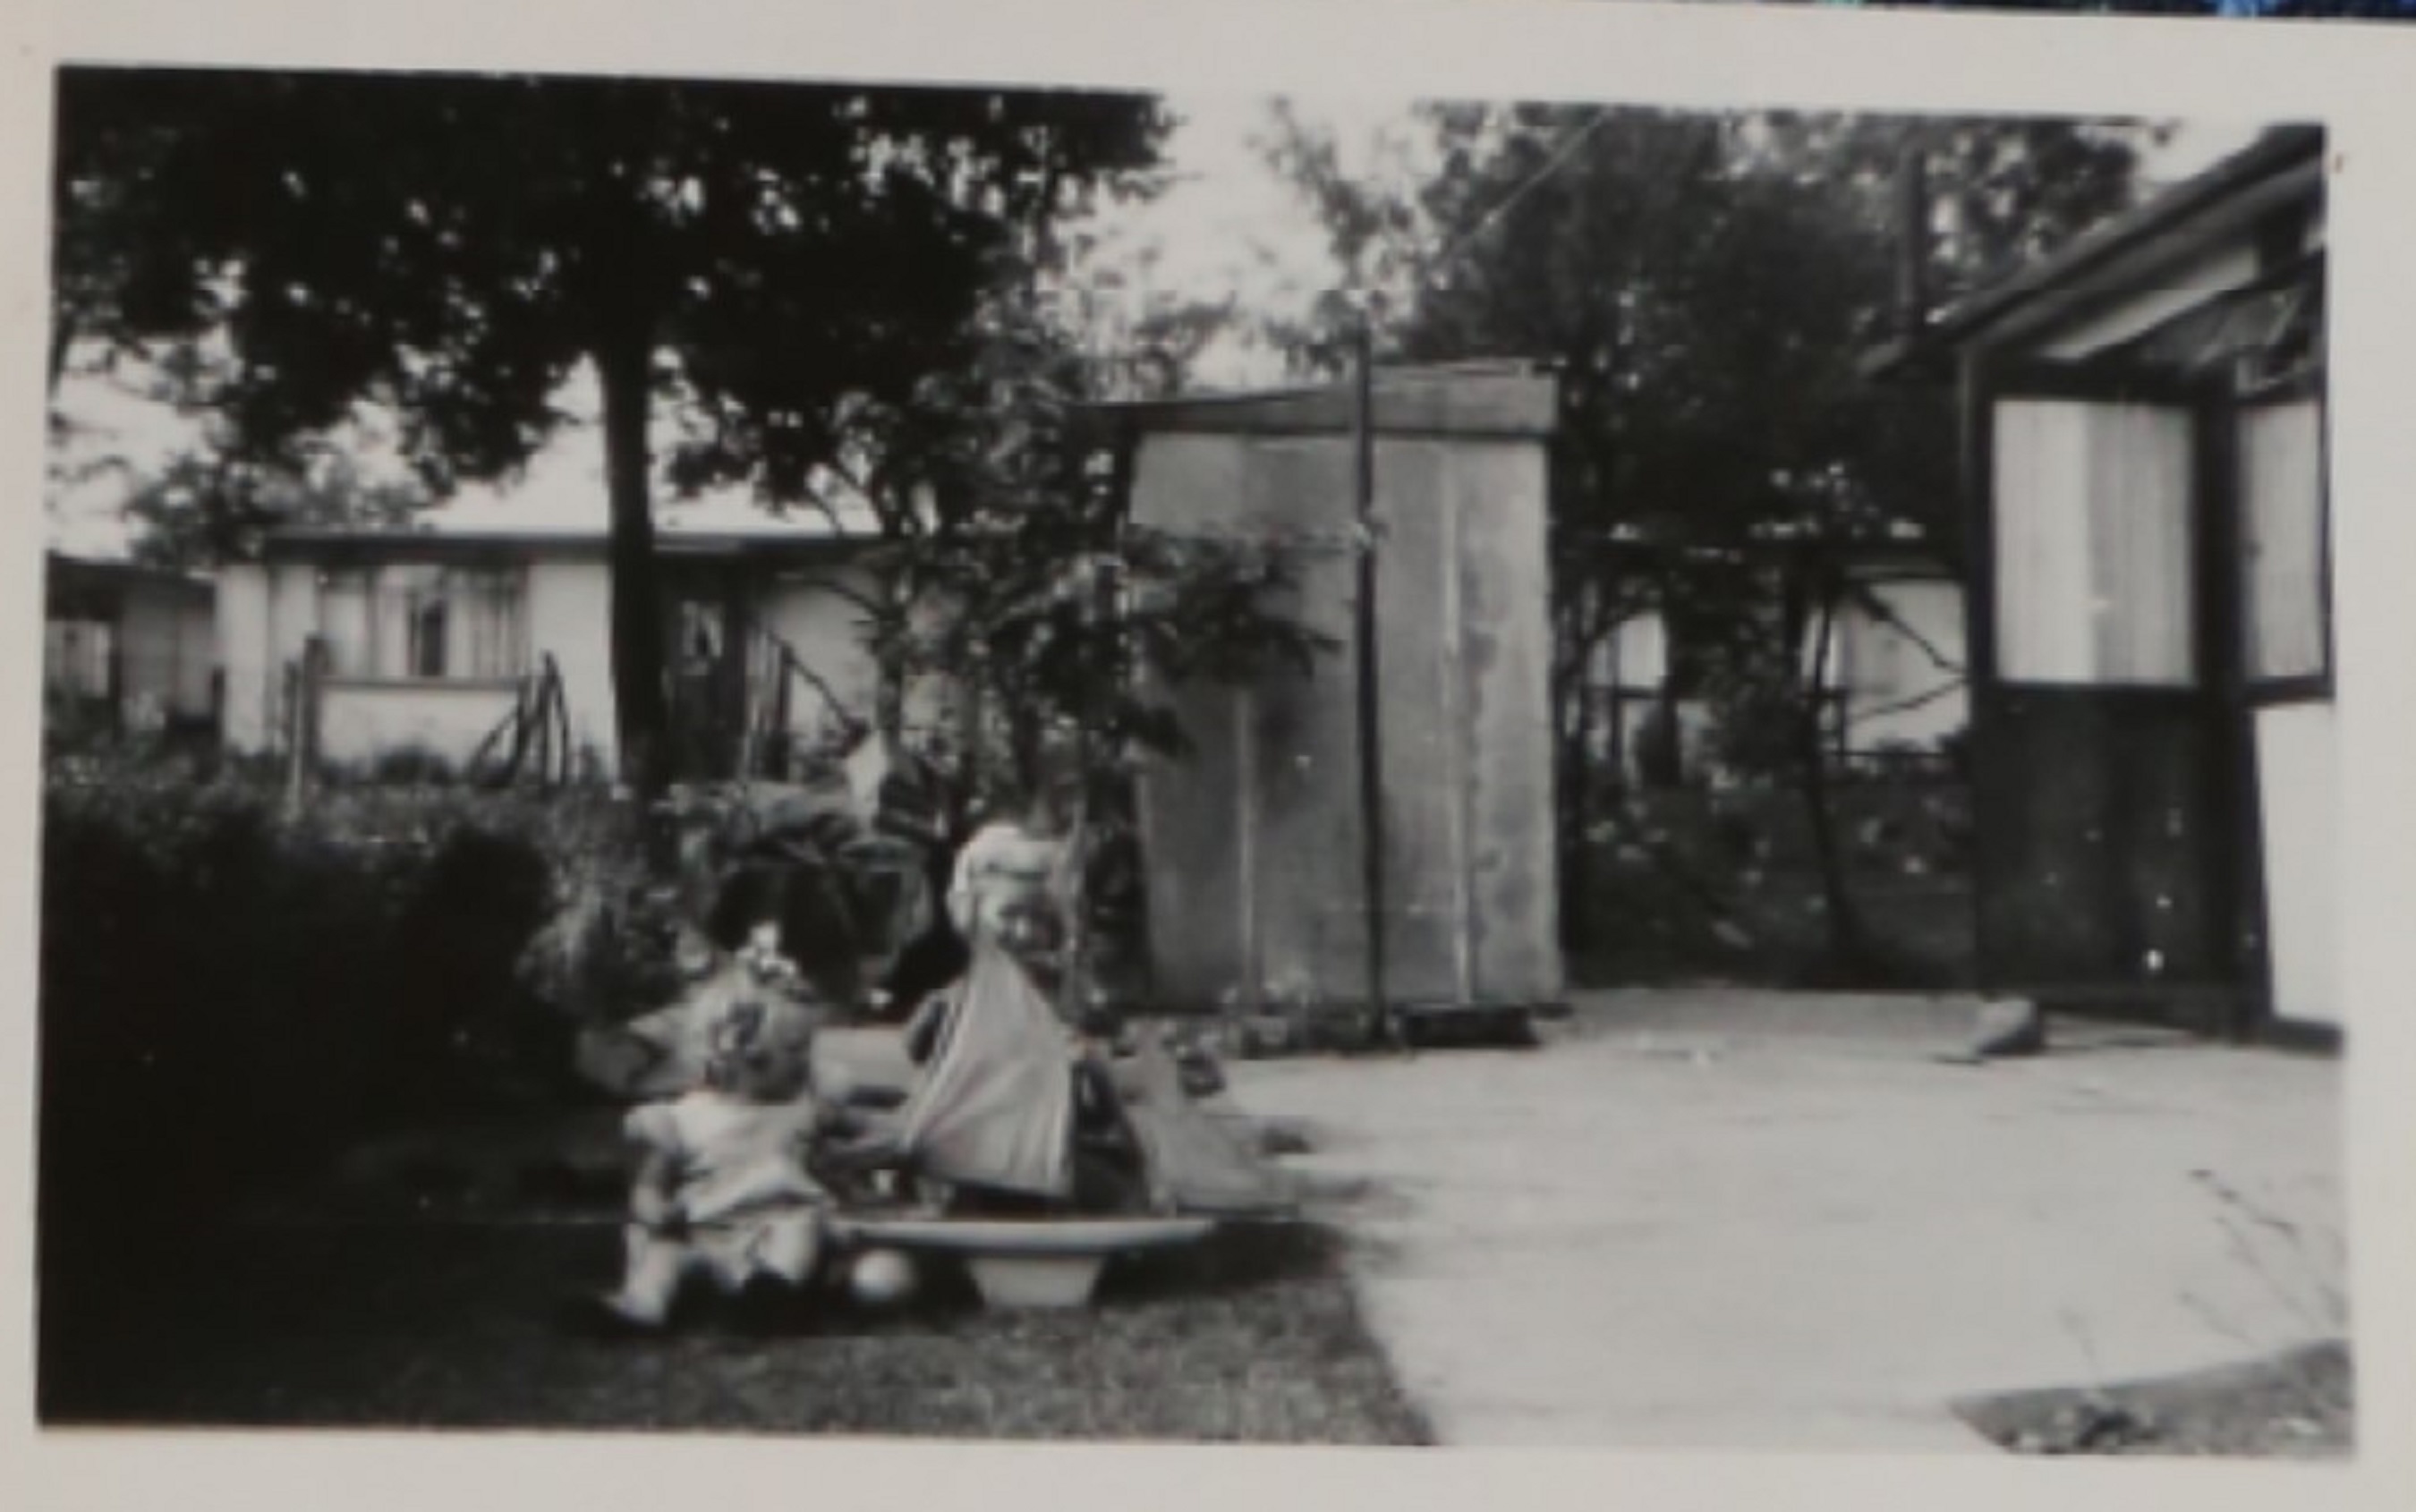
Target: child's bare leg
[(792, 1245), (781, 1252), (651, 1276)]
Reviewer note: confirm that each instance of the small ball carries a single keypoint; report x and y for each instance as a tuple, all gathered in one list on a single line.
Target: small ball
[(882, 1277)]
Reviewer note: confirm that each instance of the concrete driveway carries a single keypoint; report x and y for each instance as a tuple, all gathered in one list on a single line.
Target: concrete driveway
[(1728, 1220)]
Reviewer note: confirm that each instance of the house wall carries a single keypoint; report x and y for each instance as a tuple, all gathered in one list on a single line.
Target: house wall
[(76, 655), (2298, 781), (1887, 666), (1880, 666), (360, 721), (826, 630), (166, 653), (2295, 743), (569, 618), (293, 619), (242, 638), (266, 614)]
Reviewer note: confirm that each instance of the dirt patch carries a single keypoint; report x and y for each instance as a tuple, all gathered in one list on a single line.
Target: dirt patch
[(2297, 1404)]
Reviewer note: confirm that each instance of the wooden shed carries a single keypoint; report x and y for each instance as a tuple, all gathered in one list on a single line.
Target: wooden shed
[(1266, 885), (2151, 640)]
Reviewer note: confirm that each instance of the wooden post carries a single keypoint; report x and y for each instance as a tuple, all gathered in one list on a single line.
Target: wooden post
[(302, 685), (1381, 1028), (1913, 246), (293, 734)]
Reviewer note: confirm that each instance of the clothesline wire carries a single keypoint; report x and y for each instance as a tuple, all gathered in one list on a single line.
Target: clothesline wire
[(1550, 165)]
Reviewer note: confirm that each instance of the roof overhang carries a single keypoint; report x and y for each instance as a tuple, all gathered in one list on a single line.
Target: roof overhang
[(74, 582), (334, 544), (2281, 171), (1506, 401)]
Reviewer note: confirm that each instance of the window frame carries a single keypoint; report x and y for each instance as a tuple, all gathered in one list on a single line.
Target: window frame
[(423, 589)]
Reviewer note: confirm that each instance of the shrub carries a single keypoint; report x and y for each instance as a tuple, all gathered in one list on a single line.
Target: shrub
[(229, 988), (410, 767)]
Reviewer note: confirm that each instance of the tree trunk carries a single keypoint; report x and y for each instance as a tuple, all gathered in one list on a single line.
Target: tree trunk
[(1850, 949), (889, 634), (642, 710), (1575, 717)]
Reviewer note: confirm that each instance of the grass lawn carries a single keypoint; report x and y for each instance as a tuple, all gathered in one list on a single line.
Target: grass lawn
[(1253, 1336)]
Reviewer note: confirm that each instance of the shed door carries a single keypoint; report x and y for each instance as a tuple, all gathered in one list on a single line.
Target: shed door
[(2104, 770)]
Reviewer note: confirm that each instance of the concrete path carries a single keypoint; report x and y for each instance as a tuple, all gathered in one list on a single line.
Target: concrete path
[(1656, 1232)]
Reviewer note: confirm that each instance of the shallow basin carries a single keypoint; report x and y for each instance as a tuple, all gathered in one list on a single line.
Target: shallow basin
[(1032, 1263)]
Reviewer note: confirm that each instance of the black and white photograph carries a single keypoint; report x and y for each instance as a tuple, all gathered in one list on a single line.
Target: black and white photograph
[(838, 757)]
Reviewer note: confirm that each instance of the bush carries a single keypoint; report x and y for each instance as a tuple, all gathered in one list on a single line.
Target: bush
[(228, 990)]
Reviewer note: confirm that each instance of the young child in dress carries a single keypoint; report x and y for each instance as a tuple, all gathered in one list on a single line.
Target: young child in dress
[(724, 1189)]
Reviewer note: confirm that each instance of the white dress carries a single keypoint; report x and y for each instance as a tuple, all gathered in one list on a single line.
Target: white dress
[(741, 1183)]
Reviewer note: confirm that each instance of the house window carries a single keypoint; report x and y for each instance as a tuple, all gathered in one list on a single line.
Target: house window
[(415, 621), (2094, 538), (346, 602), (2282, 539)]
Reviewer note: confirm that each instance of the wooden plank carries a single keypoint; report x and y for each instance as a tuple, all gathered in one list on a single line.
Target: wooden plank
[(1508, 404), (1191, 808), (1513, 844), (1423, 864), (1310, 892), (1194, 854)]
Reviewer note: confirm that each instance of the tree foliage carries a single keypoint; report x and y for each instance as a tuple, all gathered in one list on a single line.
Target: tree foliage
[(1705, 285), (1071, 622), (780, 259)]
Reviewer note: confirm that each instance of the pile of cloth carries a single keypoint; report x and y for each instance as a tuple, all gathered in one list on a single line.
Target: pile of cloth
[(1015, 1109)]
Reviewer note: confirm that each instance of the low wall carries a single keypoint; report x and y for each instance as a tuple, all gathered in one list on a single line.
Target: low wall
[(361, 719)]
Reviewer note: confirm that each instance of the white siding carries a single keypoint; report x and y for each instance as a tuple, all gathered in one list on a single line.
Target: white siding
[(243, 646), (362, 722), (569, 617), (1898, 693), (2281, 457), (827, 631), (2298, 767)]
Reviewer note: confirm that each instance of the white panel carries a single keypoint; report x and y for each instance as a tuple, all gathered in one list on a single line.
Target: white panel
[(1640, 651), (360, 722), (2281, 468), (1886, 669), (814, 615), (2044, 594), (569, 616), (2140, 507), (2093, 506), (2297, 781), (243, 646), (345, 621)]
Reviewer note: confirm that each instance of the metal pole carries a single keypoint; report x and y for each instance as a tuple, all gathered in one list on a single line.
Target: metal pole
[(1381, 1028)]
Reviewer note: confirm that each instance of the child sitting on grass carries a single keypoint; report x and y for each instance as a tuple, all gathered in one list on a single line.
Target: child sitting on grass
[(724, 1185)]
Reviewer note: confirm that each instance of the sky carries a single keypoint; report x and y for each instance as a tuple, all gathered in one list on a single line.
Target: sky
[(1228, 227)]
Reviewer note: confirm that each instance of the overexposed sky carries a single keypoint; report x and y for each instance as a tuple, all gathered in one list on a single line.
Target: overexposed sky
[(1228, 228)]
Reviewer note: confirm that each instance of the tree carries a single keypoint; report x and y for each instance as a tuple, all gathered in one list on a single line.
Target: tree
[(778, 260), (1705, 285)]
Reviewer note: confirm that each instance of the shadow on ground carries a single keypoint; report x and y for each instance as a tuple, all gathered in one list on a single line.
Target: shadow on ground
[(1253, 1336)]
